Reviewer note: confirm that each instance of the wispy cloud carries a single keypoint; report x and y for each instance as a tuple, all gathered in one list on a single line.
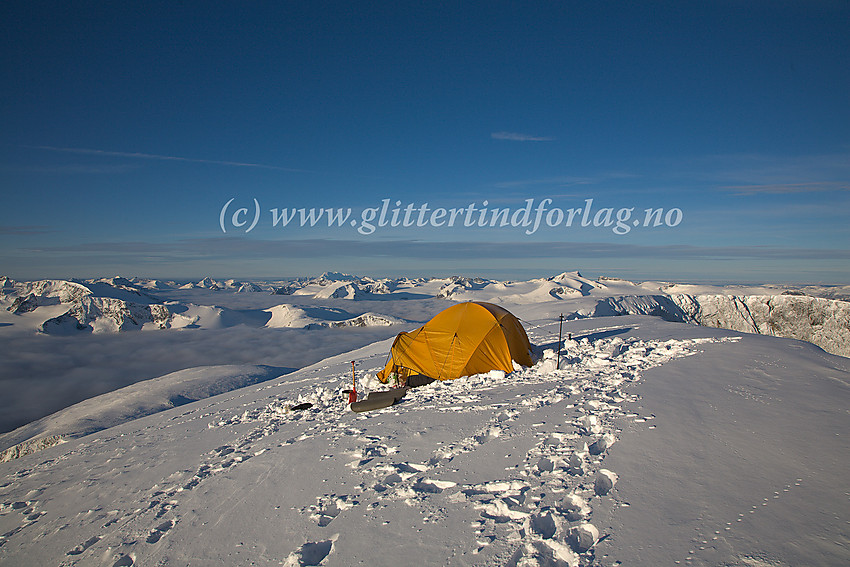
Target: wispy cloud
[(518, 137), (139, 155), (785, 188)]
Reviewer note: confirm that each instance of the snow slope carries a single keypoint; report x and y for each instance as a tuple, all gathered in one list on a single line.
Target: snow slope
[(746, 464), (135, 401), (655, 443)]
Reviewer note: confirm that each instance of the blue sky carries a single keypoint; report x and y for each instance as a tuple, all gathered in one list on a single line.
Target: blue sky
[(127, 128)]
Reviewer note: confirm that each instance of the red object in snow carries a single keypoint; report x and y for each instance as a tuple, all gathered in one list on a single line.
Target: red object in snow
[(352, 395)]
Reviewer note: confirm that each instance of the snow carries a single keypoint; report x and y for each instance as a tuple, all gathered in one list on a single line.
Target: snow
[(656, 443), (305, 317), (141, 399)]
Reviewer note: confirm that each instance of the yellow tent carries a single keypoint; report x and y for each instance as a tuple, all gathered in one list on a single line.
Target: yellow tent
[(465, 339)]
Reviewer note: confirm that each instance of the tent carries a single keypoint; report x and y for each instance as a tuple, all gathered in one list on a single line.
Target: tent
[(465, 339)]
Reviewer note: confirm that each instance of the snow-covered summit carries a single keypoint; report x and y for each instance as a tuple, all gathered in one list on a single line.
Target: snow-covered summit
[(304, 317), (62, 291), (574, 280), (631, 453), (337, 277)]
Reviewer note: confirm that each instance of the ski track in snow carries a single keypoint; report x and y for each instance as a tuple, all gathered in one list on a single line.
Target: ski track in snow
[(536, 511)]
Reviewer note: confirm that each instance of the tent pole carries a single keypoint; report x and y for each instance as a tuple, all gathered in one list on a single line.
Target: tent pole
[(560, 327)]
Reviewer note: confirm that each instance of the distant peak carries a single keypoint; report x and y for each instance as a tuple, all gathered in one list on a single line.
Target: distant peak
[(337, 276)]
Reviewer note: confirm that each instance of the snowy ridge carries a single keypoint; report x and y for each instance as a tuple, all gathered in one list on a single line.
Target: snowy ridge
[(132, 402), (365, 320), (109, 305), (100, 305), (62, 290)]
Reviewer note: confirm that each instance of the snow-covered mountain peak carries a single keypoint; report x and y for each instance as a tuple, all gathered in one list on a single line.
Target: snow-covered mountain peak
[(574, 280), (337, 277), (209, 283), (63, 290)]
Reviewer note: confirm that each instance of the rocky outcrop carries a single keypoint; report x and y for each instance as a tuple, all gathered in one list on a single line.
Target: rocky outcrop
[(823, 322), (29, 447), (106, 314), (365, 320)]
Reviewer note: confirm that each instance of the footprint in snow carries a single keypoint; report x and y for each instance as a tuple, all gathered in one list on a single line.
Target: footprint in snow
[(728, 527), (574, 507), (84, 546), (223, 450), (311, 553), (543, 552), (432, 486), (605, 481), (602, 444), (328, 507), (583, 537), (157, 533), (124, 561), (544, 524)]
